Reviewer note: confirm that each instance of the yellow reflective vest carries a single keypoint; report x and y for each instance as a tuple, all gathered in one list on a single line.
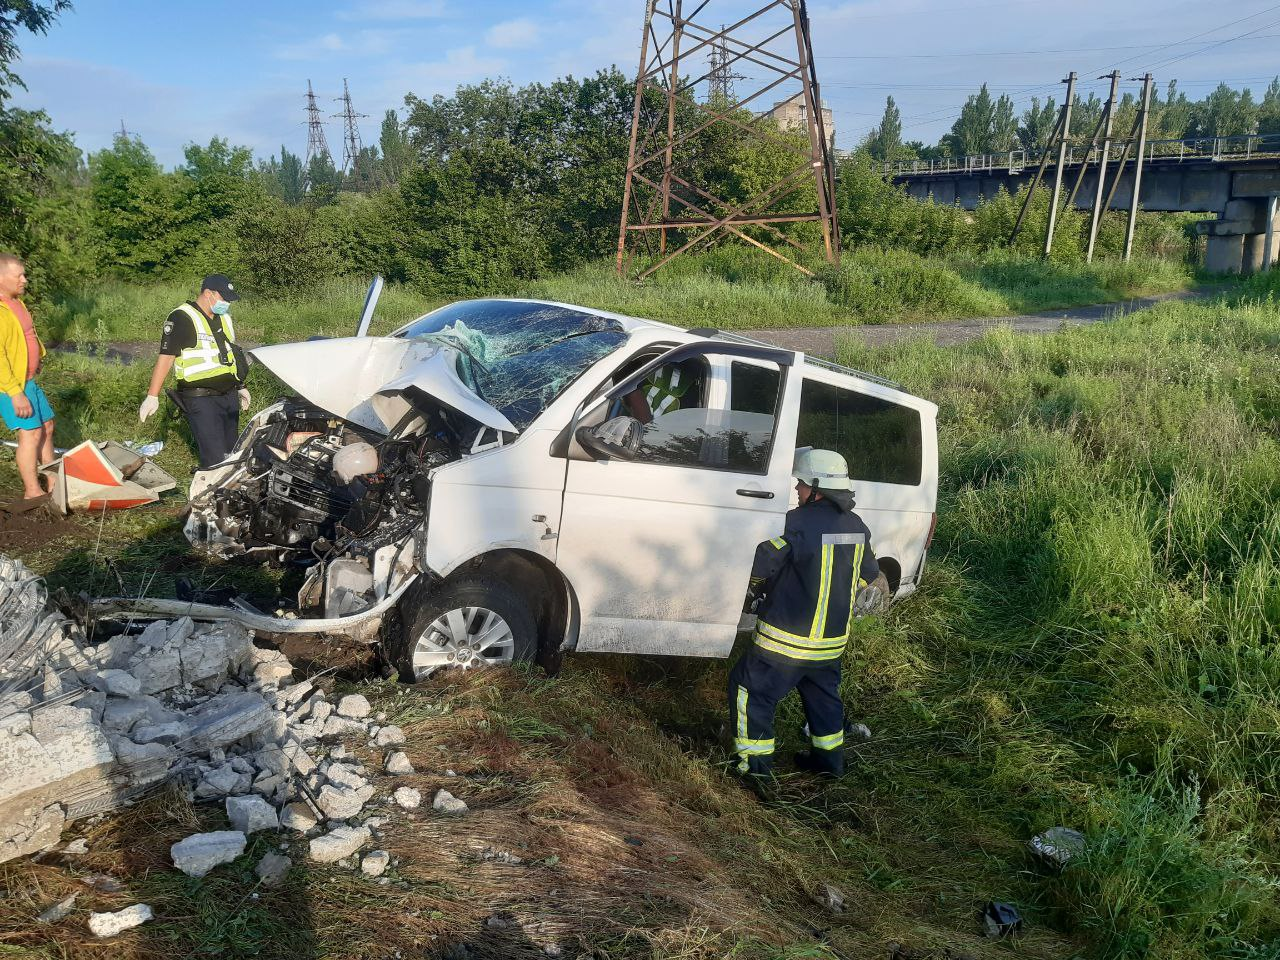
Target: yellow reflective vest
[(204, 360)]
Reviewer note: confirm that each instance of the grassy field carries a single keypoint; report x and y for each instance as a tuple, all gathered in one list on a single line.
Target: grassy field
[(1094, 645), (727, 289)]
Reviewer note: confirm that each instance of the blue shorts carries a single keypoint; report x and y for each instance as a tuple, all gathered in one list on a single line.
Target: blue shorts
[(41, 412)]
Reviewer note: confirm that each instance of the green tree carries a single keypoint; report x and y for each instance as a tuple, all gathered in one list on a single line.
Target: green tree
[(1224, 113), (1004, 126), (36, 164), (1269, 109), (323, 181), (972, 131), (1037, 124), (885, 141), (281, 247), (397, 151)]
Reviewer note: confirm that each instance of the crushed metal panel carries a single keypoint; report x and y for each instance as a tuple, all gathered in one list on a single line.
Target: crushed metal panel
[(352, 377)]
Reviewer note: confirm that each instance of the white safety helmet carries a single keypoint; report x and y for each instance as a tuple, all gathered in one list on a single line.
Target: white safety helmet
[(824, 469)]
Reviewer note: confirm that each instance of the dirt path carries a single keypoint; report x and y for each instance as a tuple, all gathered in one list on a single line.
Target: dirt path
[(820, 341)]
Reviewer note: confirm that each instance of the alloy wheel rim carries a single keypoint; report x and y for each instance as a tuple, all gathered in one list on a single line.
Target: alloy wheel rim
[(464, 637)]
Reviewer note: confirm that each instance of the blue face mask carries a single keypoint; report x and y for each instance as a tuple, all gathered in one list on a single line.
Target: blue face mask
[(222, 308)]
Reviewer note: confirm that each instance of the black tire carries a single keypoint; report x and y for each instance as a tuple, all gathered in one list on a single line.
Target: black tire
[(424, 603)]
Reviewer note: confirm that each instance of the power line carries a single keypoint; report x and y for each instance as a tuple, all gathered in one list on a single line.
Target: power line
[(1016, 53), (1219, 43), (1193, 38)]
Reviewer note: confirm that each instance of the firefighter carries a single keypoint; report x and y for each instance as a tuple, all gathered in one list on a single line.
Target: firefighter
[(807, 586), (199, 344)]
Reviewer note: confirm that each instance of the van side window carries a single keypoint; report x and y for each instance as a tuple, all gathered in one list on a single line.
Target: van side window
[(738, 439), (880, 440), (753, 388)]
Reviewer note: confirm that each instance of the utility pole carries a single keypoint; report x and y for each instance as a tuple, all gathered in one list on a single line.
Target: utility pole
[(663, 205), (317, 145), (1096, 216), (1137, 168), (351, 145), (1045, 152), (1070, 81)]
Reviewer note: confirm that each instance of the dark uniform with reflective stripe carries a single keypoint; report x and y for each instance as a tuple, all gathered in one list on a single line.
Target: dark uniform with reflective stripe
[(809, 578)]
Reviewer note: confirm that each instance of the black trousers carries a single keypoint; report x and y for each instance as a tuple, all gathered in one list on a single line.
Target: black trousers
[(757, 682), (215, 423)]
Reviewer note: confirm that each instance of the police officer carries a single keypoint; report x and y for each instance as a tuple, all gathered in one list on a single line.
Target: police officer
[(198, 344), (810, 582)]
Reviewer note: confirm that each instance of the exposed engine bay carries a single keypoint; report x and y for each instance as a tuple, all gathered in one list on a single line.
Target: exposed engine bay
[(315, 491), (336, 480)]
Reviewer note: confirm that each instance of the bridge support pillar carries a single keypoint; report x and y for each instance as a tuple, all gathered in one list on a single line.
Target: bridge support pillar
[(1224, 254), (1238, 241)]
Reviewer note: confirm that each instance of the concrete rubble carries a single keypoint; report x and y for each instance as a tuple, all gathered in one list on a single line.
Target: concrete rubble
[(110, 924), (89, 727)]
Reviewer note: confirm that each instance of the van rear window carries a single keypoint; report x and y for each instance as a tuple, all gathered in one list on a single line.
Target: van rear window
[(880, 440)]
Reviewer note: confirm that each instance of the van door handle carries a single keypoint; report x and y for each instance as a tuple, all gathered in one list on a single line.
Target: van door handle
[(758, 494)]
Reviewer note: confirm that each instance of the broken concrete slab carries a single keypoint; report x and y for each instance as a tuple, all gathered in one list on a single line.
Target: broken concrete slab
[(157, 670), (341, 727), (407, 797), (397, 764), (339, 803), (228, 717), (198, 854), (375, 863), (169, 733), (344, 775), (446, 803), (354, 707), (58, 911), (118, 683), (109, 924), (389, 736), (297, 816), (339, 843), (251, 813)]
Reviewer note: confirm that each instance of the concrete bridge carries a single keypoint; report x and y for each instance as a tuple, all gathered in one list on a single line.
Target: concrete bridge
[(1237, 178)]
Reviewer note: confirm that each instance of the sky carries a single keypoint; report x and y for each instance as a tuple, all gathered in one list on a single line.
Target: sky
[(178, 72)]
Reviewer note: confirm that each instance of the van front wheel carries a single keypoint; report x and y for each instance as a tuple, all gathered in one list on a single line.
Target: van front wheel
[(466, 623)]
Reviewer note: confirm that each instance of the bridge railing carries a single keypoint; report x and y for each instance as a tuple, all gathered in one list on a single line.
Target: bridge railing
[(1015, 161)]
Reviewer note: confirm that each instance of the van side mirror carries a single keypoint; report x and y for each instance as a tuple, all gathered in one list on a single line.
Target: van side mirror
[(616, 439)]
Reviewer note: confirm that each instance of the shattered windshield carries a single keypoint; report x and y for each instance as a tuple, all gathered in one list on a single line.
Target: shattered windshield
[(519, 356)]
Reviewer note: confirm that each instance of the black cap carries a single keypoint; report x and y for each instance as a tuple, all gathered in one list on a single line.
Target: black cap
[(220, 283)]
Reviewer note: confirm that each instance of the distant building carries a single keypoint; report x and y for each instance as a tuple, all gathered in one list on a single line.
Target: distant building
[(791, 115)]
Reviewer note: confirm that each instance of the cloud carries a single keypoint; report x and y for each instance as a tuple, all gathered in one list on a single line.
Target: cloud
[(513, 34), (359, 43), (459, 66), (394, 10)]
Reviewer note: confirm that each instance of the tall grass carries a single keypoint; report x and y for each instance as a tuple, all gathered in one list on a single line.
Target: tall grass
[(727, 288), (1095, 644)]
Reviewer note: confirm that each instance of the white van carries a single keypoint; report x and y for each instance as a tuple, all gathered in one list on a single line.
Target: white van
[(511, 501)]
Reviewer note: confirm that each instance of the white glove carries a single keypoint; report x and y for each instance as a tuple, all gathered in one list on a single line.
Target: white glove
[(149, 406), (244, 399)]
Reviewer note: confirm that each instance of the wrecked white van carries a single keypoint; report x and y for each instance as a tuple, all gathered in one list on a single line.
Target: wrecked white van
[(482, 474)]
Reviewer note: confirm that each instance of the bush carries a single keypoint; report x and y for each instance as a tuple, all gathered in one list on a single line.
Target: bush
[(281, 248)]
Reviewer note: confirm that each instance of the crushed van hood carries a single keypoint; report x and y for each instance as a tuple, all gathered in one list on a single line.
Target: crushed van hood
[(364, 379)]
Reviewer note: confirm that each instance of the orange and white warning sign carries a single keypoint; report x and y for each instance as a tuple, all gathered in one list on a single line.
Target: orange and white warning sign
[(107, 475)]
